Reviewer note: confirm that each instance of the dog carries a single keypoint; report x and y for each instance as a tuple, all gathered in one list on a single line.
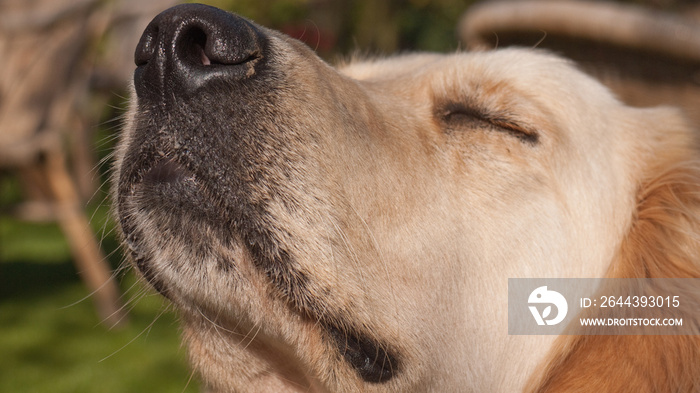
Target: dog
[(352, 229)]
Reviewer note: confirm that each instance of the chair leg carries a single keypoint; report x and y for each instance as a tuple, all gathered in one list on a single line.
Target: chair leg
[(87, 254)]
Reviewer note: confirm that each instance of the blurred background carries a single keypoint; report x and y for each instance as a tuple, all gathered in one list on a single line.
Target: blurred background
[(73, 317)]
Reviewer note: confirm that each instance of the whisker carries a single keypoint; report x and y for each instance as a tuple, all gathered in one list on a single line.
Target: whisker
[(189, 380), (146, 329), (382, 260)]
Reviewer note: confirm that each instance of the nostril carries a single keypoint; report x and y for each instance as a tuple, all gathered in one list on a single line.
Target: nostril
[(192, 47), (197, 47)]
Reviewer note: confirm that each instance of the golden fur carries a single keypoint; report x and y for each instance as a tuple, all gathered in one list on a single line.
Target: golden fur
[(662, 242), (420, 184)]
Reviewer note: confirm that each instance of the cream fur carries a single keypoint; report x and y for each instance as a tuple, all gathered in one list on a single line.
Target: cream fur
[(410, 225)]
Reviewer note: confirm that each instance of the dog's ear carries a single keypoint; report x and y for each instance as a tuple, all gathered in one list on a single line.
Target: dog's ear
[(663, 240)]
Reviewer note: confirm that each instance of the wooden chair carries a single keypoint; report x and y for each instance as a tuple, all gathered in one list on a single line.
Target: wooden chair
[(43, 77)]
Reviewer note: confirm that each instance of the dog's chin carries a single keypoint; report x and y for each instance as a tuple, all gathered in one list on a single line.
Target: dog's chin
[(169, 199), (167, 172), (200, 262), (170, 188), (186, 242)]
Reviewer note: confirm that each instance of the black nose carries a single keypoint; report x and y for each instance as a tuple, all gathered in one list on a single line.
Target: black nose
[(189, 45)]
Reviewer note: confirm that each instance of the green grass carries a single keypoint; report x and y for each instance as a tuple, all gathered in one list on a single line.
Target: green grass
[(50, 346), (50, 336)]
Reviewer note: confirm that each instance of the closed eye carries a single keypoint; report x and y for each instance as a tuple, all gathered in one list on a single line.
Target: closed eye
[(459, 116)]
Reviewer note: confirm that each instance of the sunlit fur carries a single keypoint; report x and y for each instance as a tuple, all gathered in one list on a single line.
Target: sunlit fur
[(410, 222), (663, 241)]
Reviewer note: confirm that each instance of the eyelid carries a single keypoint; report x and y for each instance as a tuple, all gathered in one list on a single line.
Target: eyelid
[(465, 113)]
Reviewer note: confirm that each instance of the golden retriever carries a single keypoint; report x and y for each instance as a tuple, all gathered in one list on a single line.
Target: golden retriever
[(353, 229)]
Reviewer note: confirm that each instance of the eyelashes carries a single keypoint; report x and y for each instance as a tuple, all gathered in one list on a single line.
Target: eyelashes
[(458, 116)]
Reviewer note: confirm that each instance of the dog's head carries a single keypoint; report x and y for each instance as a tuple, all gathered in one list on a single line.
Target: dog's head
[(353, 229)]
